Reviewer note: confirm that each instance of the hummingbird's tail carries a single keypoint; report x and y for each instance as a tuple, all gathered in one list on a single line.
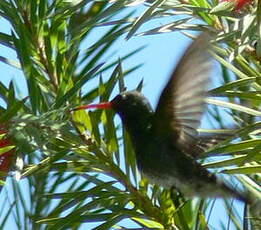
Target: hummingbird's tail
[(243, 196), (232, 192), (253, 204), (253, 212)]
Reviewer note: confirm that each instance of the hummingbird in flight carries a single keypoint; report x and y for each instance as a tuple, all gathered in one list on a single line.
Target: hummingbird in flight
[(165, 140)]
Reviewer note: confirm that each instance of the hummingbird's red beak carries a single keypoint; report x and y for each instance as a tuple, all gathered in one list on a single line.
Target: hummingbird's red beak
[(103, 105)]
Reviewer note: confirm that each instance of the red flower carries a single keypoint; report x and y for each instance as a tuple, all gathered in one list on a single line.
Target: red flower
[(239, 4), (5, 161), (6, 157)]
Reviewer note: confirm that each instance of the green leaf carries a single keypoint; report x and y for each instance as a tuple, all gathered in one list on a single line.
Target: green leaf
[(10, 62), (144, 18), (232, 85), (234, 106), (243, 170), (223, 7), (12, 110), (80, 82)]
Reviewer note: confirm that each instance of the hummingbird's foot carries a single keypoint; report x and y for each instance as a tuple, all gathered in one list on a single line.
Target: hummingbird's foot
[(175, 192), (177, 197)]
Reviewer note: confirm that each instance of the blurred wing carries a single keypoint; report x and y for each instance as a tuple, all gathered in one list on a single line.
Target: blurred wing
[(181, 103), (203, 143)]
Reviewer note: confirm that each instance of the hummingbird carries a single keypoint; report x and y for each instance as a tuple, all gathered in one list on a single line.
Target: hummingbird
[(165, 139)]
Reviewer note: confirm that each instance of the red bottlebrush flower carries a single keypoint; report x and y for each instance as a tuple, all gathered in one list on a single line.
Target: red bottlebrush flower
[(6, 157), (239, 4), (5, 160)]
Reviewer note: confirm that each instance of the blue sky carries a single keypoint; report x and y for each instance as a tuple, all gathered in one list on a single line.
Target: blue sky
[(159, 58)]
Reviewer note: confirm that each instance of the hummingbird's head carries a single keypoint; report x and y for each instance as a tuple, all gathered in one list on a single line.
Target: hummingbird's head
[(131, 104), (134, 110)]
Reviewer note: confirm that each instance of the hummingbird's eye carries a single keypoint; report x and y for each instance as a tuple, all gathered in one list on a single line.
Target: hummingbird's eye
[(120, 97), (123, 97)]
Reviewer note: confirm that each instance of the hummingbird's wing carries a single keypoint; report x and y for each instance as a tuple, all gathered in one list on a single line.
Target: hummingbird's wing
[(181, 103)]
